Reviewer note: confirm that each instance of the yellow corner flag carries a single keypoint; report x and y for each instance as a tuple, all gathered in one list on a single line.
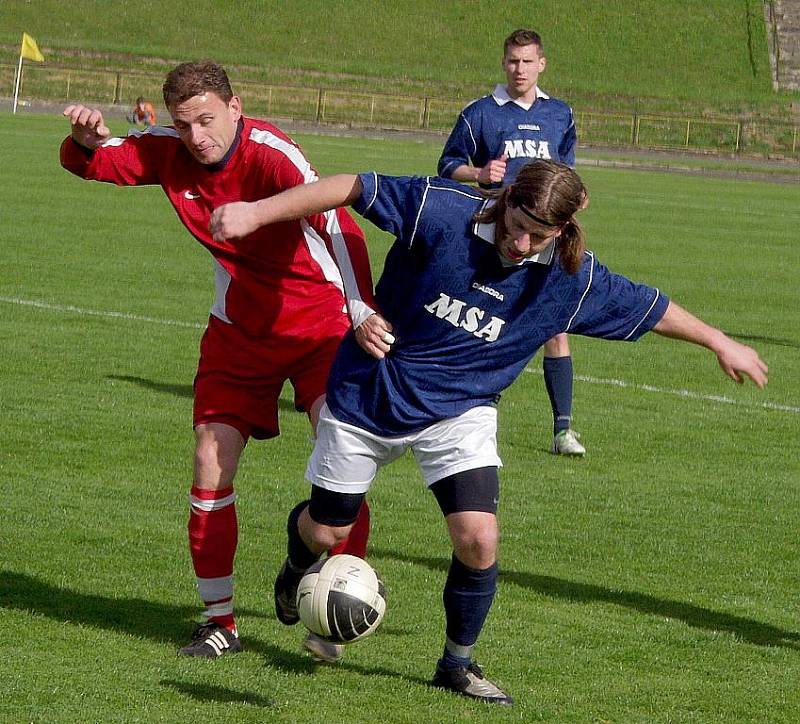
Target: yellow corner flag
[(30, 50)]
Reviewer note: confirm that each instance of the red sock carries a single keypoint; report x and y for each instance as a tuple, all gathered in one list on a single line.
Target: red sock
[(213, 534), (356, 543)]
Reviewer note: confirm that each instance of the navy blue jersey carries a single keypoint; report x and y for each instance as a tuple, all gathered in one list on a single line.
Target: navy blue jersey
[(466, 323), (496, 124)]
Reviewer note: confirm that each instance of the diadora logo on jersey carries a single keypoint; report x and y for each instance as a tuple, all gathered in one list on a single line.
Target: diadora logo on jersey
[(528, 127), (528, 148), (488, 290), (189, 195), (468, 318)]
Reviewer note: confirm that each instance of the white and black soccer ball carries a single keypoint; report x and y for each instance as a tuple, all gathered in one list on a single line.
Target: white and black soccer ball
[(341, 599)]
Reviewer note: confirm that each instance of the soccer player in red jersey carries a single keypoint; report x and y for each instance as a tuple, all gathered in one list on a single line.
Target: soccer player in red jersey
[(285, 296), (142, 112)]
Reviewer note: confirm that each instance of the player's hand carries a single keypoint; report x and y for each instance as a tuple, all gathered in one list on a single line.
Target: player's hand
[(233, 221), (494, 171), (88, 127), (738, 360), (375, 337)]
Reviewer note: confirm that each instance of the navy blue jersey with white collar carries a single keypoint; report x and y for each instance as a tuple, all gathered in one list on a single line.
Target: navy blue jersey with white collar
[(496, 124), (466, 324)]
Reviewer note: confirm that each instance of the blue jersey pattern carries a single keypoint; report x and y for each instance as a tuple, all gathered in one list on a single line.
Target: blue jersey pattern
[(492, 126), (466, 325)]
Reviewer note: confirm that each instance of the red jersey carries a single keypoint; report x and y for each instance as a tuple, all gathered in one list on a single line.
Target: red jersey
[(285, 279)]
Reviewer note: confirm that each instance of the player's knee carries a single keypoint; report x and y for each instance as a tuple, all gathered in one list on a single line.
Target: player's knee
[(215, 460), (330, 516), (557, 346), (325, 537), (476, 545)]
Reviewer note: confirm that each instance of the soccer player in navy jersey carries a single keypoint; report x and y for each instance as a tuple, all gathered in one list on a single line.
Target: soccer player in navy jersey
[(492, 139), (281, 307), (471, 288)]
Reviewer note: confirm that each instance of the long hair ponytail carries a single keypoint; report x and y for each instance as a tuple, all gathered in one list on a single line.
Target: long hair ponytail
[(553, 193)]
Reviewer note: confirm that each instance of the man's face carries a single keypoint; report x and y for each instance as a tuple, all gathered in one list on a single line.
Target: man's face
[(522, 64), (518, 237), (207, 125)]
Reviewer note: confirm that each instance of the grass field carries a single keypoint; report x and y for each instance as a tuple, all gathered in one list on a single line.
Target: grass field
[(653, 581), (645, 55)]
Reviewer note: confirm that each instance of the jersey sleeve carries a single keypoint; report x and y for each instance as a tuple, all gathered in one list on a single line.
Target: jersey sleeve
[(131, 161), (566, 149), (460, 148), (345, 242), (393, 203), (342, 236), (614, 307)]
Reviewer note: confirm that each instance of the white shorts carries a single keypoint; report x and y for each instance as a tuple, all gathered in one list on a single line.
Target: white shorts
[(346, 458)]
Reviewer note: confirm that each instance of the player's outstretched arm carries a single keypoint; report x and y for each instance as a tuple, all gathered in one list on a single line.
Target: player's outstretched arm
[(736, 360), (88, 127), (233, 221)]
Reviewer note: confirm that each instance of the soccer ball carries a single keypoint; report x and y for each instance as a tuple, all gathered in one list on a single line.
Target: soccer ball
[(341, 599)]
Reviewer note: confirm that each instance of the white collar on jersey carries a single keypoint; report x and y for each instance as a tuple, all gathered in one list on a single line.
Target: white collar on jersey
[(486, 232), (501, 97)]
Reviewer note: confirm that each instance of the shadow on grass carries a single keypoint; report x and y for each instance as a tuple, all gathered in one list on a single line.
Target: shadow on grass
[(169, 389), (159, 622), (746, 629), (209, 693), (179, 390), (300, 663), (767, 340)]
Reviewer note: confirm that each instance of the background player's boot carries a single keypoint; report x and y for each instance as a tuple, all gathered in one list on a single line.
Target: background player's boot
[(470, 682), (323, 650), (210, 641), (566, 443)]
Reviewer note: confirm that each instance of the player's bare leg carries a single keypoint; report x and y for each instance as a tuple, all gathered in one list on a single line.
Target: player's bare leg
[(213, 535)]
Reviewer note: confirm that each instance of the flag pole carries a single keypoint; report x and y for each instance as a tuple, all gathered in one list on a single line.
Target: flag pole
[(16, 85)]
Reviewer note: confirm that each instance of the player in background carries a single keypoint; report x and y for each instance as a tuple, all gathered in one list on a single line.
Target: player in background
[(142, 113), (492, 139), (281, 307), (470, 290)]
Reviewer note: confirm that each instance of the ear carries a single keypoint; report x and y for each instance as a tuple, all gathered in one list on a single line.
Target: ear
[(235, 106), (542, 64)]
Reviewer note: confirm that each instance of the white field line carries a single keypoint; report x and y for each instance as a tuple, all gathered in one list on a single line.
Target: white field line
[(688, 394), (97, 313)]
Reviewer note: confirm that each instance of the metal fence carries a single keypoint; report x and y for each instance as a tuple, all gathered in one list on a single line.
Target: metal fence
[(371, 110)]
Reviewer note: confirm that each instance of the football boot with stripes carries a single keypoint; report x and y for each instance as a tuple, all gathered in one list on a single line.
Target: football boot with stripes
[(566, 443), (470, 681), (210, 641)]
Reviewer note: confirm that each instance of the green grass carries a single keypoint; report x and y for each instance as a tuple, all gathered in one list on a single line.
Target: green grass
[(647, 55), (655, 580)]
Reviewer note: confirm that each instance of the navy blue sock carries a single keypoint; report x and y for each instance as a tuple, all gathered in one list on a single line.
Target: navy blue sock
[(300, 557), (558, 381), (468, 595)]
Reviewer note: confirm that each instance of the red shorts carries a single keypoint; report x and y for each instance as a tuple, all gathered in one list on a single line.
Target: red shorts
[(239, 379)]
